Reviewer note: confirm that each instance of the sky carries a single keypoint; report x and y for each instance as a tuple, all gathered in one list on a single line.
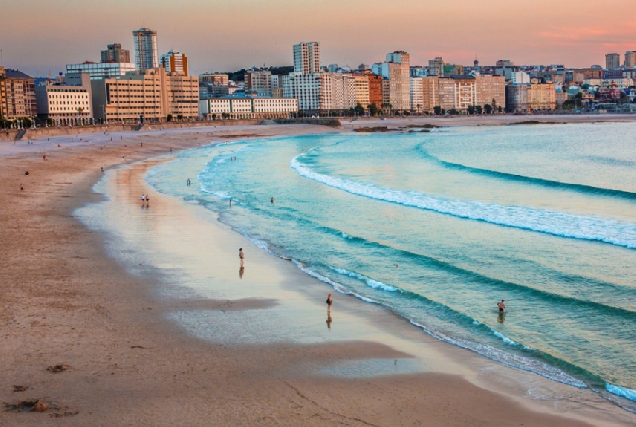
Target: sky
[(41, 36)]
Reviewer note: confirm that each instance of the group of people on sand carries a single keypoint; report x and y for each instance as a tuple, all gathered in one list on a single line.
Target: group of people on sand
[(145, 200)]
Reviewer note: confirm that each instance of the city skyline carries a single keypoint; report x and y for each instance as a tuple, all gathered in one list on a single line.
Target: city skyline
[(230, 35)]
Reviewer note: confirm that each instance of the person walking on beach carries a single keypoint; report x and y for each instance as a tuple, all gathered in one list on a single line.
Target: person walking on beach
[(147, 201), (502, 306), (329, 302), (241, 256), (143, 200)]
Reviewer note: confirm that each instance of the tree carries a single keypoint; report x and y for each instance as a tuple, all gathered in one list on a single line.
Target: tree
[(213, 116), (179, 117), (373, 109), (479, 109), (488, 108), (453, 112), (359, 110), (494, 105), (438, 110), (471, 110), (500, 109), (169, 117)]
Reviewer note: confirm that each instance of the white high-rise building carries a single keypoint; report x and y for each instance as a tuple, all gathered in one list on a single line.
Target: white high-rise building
[(307, 58), (146, 56), (519, 77)]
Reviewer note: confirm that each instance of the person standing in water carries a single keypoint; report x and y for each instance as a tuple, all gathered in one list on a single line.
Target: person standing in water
[(329, 302), (272, 200), (241, 256), (502, 306), (188, 182)]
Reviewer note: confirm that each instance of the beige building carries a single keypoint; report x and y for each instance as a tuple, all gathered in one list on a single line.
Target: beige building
[(630, 58), (259, 80), (397, 69), (362, 93), (66, 104), (542, 96), (321, 92), (17, 94), (489, 88), (460, 92), (248, 108), (218, 79), (417, 94), (149, 95), (612, 61), (174, 62)]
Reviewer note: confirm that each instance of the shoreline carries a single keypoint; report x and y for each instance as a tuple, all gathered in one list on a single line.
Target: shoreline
[(81, 308)]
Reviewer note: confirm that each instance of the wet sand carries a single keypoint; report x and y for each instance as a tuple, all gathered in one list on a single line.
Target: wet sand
[(68, 297)]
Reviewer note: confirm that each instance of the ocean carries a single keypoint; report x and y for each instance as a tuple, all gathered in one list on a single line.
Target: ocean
[(439, 226)]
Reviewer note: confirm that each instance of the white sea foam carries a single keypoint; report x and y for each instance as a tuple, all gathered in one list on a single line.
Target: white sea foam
[(625, 392), (541, 220), (508, 358), (370, 282)]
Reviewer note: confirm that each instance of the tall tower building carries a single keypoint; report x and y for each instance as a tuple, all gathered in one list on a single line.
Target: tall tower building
[(175, 62), (146, 56), (612, 61), (307, 58), (630, 58), (399, 74), (114, 53)]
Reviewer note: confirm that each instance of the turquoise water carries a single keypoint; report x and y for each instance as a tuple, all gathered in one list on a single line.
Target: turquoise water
[(438, 227)]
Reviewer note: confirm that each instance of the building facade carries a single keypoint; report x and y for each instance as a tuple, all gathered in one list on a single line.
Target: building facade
[(307, 58), (612, 61), (216, 78), (18, 95), (490, 90), (398, 71), (362, 95), (3, 93), (542, 96), (248, 108), (517, 97), (101, 70), (260, 80), (146, 56), (66, 104), (321, 92), (174, 62), (114, 53), (630, 59), (417, 94), (375, 90), (149, 95)]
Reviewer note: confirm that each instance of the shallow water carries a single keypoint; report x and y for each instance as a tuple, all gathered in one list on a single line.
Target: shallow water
[(440, 226)]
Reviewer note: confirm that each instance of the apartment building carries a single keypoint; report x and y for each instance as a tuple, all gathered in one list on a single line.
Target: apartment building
[(174, 62), (612, 61), (259, 80), (375, 90), (307, 58), (630, 59), (114, 53), (489, 88), (517, 97), (101, 70), (149, 95), (397, 70), (417, 94), (216, 78), (362, 94), (248, 107), (542, 96), (459, 92), (66, 104), (17, 93)]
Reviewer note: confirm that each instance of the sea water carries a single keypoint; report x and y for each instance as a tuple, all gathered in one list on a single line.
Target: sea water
[(439, 226)]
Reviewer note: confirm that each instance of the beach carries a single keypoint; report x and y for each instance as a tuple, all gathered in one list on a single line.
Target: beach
[(70, 296)]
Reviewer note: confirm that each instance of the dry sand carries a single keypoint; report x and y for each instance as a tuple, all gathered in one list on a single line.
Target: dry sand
[(63, 301)]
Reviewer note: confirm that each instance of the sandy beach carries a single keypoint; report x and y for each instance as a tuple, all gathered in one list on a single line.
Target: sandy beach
[(71, 295)]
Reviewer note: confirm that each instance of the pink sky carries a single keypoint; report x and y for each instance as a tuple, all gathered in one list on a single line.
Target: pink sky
[(218, 35)]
